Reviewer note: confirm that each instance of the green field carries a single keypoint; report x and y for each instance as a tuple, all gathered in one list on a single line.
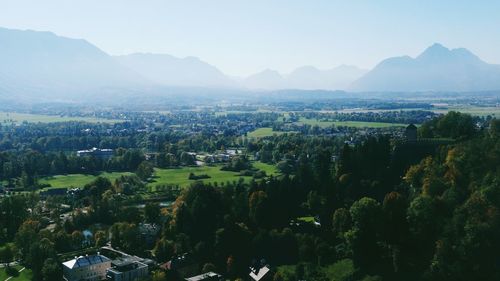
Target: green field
[(13, 117), (77, 180), (24, 275), (472, 110), (263, 132), (270, 170), (180, 176), (356, 124)]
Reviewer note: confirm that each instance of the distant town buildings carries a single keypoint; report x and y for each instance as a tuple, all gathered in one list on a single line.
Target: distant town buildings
[(96, 152), (86, 268)]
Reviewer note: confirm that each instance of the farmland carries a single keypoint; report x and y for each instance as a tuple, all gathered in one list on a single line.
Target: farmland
[(14, 117)]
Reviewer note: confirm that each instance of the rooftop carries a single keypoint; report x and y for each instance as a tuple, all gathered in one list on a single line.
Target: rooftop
[(85, 261)]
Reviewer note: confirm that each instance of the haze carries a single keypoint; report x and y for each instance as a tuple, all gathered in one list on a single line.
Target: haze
[(245, 37)]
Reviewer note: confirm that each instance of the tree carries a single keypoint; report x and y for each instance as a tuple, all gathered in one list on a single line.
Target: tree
[(100, 238), (26, 236), (6, 254), (152, 212), (259, 208), (363, 238), (144, 170), (341, 222), (164, 249), (51, 270)]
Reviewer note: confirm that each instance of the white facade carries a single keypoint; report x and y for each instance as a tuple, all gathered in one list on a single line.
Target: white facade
[(88, 268)]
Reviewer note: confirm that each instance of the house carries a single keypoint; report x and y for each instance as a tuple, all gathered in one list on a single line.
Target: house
[(127, 271), (86, 268), (260, 271), (209, 276), (96, 152)]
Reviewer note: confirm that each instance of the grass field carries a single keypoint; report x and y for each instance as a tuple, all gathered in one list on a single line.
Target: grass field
[(77, 180), (24, 275), (356, 124), (180, 176), (263, 132), (270, 170), (13, 117), (472, 110)]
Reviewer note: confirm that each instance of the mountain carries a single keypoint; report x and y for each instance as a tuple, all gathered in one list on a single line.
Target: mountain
[(436, 69), (168, 70), (311, 78), (43, 65), (306, 78), (265, 80)]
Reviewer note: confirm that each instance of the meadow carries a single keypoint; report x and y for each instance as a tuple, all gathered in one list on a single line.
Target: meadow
[(25, 275), (263, 132), (180, 177), (14, 117), (78, 180)]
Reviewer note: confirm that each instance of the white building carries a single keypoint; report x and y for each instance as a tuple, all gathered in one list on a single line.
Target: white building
[(88, 268)]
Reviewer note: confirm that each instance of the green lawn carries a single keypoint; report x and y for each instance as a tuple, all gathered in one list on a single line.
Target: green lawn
[(77, 180), (270, 170), (13, 117), (25, 275), (161, 176), (263, 132), (180, 176), (356, 124)]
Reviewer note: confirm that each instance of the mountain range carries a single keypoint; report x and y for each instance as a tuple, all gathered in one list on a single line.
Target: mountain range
[(41, 64), (436, 69)]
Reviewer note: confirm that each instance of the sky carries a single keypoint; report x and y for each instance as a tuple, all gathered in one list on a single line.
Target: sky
[(242, 37)]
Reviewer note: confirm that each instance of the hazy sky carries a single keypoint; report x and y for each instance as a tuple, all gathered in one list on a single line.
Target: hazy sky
[(242, 37)]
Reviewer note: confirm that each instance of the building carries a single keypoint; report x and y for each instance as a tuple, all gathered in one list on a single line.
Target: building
[(86, 268), (96, 152), (260, 271), (209, 276), (127, 271)]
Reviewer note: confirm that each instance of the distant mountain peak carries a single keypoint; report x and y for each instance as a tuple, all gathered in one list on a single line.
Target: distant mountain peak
[(437, 68)]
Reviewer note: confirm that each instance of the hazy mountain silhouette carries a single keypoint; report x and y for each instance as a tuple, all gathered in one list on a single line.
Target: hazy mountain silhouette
[(41, 63), (306, 78), (265, 80), (171, 71), (436, 69)]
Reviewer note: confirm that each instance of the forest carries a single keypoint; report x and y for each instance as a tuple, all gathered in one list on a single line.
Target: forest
[(384, 207)]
